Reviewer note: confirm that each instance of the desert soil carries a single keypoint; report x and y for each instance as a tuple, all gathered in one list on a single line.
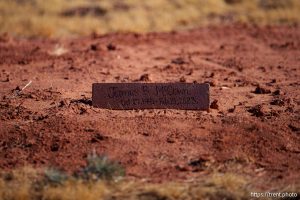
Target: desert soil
[(252, 128)]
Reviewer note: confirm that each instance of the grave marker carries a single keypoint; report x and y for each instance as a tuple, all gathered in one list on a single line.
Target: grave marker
[(119, 96)]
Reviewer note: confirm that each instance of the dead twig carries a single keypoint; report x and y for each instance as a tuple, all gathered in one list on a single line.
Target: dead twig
[(17, 91)]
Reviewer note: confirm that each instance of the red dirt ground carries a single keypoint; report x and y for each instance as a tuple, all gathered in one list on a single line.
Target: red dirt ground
[(253, 127)]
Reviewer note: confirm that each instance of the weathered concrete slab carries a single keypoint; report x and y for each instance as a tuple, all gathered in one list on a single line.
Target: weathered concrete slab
[(189, 96)]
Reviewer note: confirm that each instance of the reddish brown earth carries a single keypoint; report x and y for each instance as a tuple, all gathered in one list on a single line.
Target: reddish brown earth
[(253, 127)]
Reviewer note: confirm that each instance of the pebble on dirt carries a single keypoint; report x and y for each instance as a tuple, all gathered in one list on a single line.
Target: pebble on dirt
[(111, 47), (277, 102), (182, 79), (95, 47), (256, 111), (276, 92), (261, 90), (178, 61), (144, 77), (214, 105)]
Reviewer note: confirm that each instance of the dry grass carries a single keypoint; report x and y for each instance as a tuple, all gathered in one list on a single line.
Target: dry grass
[(30, 184), (44, 18), (18, 184), (76, 190)]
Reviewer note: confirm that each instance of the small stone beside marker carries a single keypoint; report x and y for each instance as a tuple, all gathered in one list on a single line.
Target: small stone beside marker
[(125, 96)]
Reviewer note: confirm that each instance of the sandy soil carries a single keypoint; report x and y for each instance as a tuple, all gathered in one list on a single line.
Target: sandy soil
[(252, 128)]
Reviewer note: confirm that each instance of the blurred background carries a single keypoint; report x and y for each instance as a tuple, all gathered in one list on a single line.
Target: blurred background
[(65, 18)]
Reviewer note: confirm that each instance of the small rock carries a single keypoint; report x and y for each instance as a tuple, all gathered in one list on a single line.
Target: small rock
[(30, 143), (214, 105), (277, 102), (111, 47), (276, 92), (256, 111), (178, 61), (182, 79), (212, 83), (260, 90), (144, 77), (17, 90), (170, 140), (145, 134), (231, 110), (54, 147), (95, 47), (198, 164)]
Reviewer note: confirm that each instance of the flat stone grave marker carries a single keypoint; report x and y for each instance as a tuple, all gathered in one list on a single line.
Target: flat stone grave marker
[(119, 96)]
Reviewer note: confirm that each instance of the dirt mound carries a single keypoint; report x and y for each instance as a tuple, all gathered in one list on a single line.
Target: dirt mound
[(253, 128)]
